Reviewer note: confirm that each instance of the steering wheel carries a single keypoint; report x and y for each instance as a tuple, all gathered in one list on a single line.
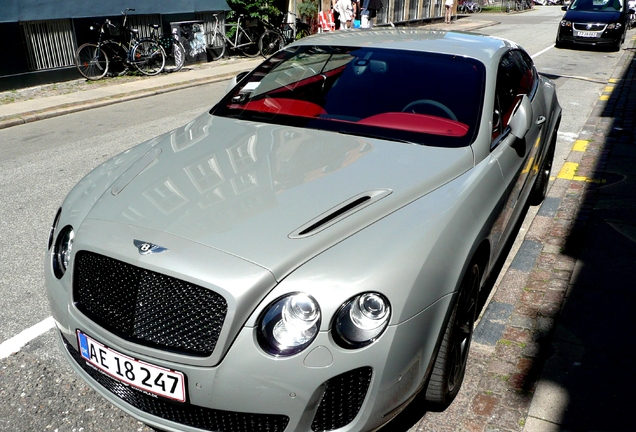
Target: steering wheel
[(449, 113)]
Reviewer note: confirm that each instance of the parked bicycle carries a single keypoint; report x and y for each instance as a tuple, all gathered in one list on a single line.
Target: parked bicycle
[(244, 37), (468, 6), (518, 5), (117, 49), (175, 52), (280, 33)]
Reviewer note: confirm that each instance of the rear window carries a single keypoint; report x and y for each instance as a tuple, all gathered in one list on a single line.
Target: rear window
[(409, 96)]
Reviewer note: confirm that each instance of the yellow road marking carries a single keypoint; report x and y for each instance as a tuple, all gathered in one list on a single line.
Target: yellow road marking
[(604, 97), (580, 145), (608, 89), (568, 172)]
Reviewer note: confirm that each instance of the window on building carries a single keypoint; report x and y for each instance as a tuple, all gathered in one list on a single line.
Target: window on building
[(50, 44)]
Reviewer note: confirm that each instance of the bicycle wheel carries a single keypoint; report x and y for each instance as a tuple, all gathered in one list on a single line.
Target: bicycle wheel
[(91, 62), (216, 47), (117, 58), (175, 59), (249, 39), (269, 43), (148, 57), (477, 8)]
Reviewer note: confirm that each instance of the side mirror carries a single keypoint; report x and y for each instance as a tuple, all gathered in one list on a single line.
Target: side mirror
[(234, 81), (521, 119)]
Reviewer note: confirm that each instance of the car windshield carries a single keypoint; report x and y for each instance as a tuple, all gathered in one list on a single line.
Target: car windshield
[(406, 96), (597, 5)]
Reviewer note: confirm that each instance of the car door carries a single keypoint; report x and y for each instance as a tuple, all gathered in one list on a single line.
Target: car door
[(517, 157)]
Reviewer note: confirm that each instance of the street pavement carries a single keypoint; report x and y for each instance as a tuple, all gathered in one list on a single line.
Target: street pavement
[(552, 350)]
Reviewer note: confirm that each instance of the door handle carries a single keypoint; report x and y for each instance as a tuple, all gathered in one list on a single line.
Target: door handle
[(541, 120)]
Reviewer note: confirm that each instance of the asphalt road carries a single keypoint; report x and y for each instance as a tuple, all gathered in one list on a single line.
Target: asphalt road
[(40, 162)]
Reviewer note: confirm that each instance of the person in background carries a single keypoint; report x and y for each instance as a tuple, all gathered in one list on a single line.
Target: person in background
[(448, 4), (355, 21), (370, 10), (345, 9)]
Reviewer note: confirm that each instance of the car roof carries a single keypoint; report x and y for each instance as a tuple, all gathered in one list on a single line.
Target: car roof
[(482, 48)]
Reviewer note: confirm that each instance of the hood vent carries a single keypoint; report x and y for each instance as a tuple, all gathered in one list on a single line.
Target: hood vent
[(339, 212)]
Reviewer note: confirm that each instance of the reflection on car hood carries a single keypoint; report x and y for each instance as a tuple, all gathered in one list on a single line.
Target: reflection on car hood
[(592, 17), (245, 188)]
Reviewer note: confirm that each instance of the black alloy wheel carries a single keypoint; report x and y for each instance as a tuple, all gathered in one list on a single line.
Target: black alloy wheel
[(450, 365)]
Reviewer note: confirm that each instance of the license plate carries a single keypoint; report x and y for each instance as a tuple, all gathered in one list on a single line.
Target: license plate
[(588, 34), (136, 373)]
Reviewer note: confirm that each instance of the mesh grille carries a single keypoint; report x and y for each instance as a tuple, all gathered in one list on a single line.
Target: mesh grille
[(146, 307), (186, 414), (344, 395)]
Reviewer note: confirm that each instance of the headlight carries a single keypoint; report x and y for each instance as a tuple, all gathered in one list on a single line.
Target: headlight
[(52, 232), (62, 251), (361, 320), (565, 23), (613, 26), (289, 324)]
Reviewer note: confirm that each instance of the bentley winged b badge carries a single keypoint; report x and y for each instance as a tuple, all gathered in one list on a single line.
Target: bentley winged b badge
[(146, 248)]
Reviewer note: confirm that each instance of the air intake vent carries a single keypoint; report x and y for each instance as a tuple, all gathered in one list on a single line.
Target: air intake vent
[(339, 212)]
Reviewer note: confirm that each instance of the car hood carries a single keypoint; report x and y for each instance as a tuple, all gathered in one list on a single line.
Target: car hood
[(272, 195), (592, 17)]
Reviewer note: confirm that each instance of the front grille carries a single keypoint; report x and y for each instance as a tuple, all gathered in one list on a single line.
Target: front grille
[(185, 414), (146, 307), (343, 398), (589, 27)]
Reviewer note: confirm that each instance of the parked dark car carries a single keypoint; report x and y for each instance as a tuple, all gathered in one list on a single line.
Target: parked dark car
[(601, 23)]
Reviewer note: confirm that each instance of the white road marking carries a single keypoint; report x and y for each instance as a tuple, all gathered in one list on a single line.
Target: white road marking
[(13, 345), (542, 51)]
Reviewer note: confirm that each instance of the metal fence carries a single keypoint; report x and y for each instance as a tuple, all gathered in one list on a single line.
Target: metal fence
[(50, 44)]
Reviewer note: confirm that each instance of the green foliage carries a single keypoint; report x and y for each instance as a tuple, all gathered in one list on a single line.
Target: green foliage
[(308, 8), (261, 9)]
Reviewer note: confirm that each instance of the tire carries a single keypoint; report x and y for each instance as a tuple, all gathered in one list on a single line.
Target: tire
[(450, 365), (250, 50), (477, 8), (176, 59), (91, 62), (540, 187), (148, 57), (269, 43), (216, 48)]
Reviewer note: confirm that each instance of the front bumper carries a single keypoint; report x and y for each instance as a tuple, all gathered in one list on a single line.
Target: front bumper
[(322, 388), (608, 38)]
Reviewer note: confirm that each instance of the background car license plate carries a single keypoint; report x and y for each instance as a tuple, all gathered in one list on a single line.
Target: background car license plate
[(147, 377), (589, 34)]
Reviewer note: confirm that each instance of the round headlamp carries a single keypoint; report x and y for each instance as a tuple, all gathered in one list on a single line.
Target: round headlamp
[(62, 251), (289, 324), (361, 320)]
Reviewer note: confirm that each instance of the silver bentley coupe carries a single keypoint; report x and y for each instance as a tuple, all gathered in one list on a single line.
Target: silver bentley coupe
[(309, 254)]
